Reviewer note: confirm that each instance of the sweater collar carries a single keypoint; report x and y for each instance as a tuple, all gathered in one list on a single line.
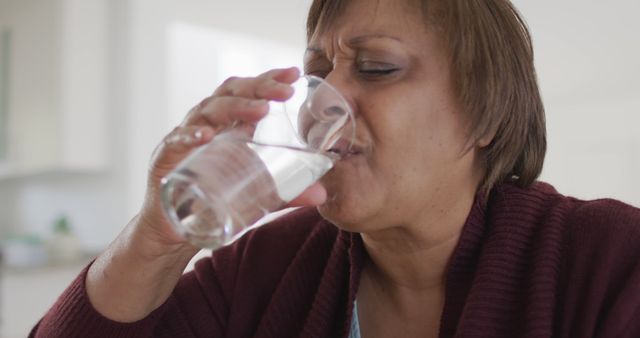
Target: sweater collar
[(462, 266)]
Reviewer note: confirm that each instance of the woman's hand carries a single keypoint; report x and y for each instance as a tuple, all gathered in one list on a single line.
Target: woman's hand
[(114, 284), (237, 100)]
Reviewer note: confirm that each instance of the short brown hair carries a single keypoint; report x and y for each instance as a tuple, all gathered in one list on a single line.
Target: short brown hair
[(491, 64)]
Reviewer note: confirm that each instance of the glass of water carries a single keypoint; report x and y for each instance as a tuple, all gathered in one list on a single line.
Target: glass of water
[(243, 174)]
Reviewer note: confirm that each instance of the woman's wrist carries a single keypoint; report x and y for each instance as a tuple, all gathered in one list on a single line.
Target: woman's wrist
[(150, 244), (135, 275)]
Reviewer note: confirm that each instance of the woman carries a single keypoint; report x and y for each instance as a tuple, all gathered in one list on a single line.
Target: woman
[(433, 226)]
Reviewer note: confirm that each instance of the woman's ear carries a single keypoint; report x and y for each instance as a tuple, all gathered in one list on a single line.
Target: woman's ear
[(487, 138)]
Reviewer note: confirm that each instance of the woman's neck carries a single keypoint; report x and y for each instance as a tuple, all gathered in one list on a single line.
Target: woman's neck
[(415, 256)]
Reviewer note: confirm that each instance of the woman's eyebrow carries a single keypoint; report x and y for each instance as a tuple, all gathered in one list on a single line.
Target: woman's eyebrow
[(314, 50), (358, 40), (355, 41)]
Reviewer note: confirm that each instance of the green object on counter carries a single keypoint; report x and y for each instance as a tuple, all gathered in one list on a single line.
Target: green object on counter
[(61, 226)]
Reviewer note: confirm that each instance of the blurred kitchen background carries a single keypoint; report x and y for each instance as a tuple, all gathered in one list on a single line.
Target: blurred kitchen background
[(89, 87)]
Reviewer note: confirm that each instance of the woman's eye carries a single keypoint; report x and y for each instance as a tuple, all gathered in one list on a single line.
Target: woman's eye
[(376, 69)]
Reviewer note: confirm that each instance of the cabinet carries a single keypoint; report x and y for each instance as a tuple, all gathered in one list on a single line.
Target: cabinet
[(55, 85)]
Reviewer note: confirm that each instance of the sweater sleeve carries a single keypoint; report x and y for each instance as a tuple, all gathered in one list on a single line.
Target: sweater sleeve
[(225, 295), (186, 313), (73, 315)]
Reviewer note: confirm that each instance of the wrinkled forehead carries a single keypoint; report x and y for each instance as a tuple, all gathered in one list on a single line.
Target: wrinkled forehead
[(329, 16)]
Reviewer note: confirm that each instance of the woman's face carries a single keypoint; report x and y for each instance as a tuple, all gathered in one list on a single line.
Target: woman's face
[(409, 161)]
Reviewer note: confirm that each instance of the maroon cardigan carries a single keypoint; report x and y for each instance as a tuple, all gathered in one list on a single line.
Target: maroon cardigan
[(529, 263)]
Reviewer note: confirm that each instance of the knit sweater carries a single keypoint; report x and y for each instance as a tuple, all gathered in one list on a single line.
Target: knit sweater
[(529, 263)]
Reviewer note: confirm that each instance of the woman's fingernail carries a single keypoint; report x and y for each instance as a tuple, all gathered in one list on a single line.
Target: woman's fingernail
[(283, 86), (198, 135), (187, 139)]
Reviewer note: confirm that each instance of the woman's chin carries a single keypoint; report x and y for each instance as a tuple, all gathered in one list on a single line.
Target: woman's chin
[(349, 199), (344, 215)]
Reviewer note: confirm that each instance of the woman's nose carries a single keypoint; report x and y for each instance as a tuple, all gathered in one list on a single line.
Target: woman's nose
[(344, 85)]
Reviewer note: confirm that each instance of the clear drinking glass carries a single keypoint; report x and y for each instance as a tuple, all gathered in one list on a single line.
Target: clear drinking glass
[(244, 173)]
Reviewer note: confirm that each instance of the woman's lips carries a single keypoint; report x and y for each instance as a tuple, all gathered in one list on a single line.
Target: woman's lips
[(345, 149)]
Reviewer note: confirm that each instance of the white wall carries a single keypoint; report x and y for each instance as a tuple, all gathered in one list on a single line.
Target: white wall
[(588, 61), (594, 146)]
